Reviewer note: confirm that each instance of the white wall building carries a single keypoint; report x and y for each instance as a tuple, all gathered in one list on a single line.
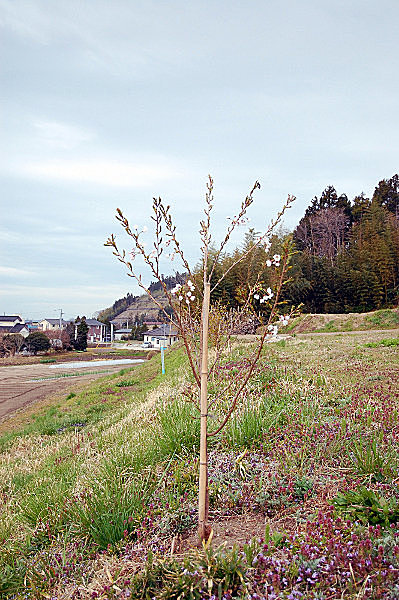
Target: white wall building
[(166, 335)]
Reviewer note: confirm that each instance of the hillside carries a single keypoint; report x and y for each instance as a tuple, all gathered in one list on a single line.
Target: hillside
[(303, 479), (141, 307), (129, 308)]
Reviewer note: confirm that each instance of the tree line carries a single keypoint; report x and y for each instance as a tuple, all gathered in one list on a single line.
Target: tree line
[(345, 255)]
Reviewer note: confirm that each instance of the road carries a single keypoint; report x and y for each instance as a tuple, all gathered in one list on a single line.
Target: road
[(23, 384)]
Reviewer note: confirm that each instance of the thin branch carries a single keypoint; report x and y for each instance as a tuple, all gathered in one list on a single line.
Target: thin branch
[(260, 240), (121, 256), (257, 355), (235, 222)]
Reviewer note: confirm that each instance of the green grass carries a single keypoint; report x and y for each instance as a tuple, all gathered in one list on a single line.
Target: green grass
[(180, 425), (386, 343), (108, 510), (95, 402), (330, 326), (246, 429), (114, 495), (381, 319), (370, 459)]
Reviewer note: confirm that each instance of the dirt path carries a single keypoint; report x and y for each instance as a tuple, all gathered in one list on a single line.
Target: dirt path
[(21, 385), (357, 332), (284, 336)]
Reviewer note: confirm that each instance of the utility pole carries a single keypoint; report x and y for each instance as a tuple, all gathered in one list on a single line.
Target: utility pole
[(61, 313), (163, 345)]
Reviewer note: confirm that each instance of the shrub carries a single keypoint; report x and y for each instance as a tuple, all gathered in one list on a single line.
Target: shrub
[(37, 341)]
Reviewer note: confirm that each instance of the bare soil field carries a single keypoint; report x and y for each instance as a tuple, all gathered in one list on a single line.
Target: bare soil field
[(21, 385)]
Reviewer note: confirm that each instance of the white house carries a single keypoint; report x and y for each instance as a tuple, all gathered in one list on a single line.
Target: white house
[(20, 328), (166, 335), (123, 333)]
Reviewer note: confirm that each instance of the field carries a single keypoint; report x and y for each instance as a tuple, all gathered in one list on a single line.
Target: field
[(98, 490), (27, 380)]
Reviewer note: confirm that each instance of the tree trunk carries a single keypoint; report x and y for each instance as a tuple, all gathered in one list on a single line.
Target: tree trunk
[(204, 528)]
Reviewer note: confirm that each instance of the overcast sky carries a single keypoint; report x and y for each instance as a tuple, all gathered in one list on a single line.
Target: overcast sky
[(107, 104)]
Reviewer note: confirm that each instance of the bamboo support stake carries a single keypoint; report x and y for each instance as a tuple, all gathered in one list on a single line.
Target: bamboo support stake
[(203, 501)]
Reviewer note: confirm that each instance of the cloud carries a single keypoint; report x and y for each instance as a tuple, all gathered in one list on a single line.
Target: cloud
[(23, 18), (61, 135), (14, 272), (44, 301), (83, 292), (103, 172)]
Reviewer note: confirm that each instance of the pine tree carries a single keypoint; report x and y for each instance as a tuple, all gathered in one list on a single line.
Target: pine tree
[(81, 335)]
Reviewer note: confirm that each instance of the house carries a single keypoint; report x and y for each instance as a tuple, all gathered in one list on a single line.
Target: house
[(51, 324), (119, 329), (96, 333), (20, 328), (10, 320), (32, 325), (123, 333), (166, 335)]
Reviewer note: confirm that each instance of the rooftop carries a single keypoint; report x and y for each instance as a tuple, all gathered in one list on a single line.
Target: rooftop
[(10, 318), (164, 331)]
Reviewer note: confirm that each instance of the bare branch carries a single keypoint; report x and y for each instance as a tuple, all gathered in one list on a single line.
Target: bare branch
[(259, 242)]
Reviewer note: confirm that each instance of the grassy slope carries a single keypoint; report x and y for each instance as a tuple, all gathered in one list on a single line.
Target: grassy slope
[(324, 323), (115, 468)]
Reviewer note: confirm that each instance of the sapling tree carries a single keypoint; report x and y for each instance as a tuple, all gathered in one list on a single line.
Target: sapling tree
[(206, 328)]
